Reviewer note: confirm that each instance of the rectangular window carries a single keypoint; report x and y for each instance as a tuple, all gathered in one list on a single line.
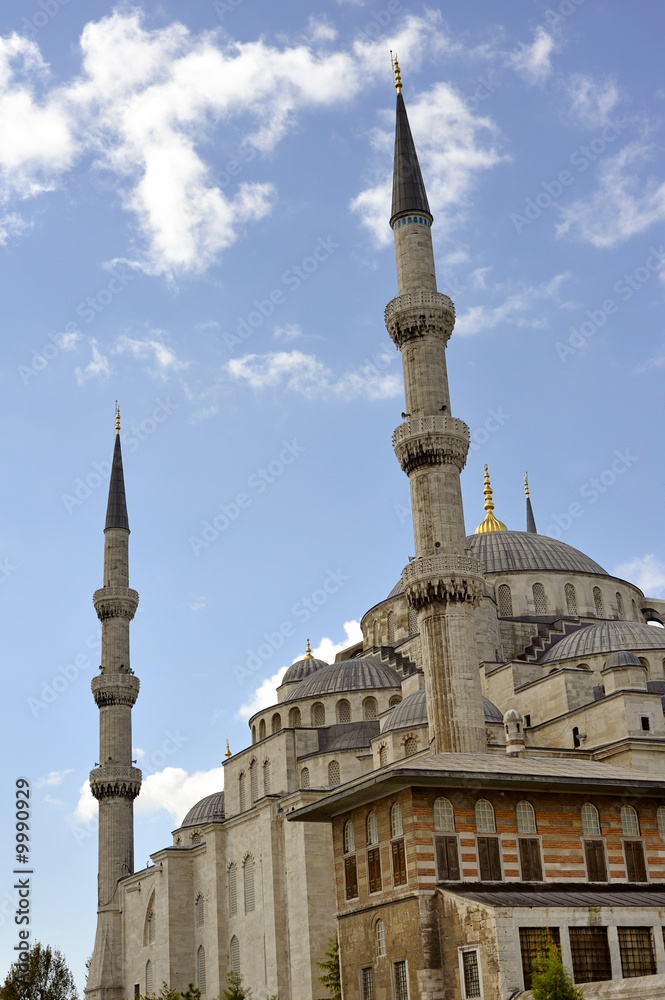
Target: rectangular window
[(351, 877), (137, 989), (447, 859), (590, 953), (489, 859), (533, 945), (368, 984), (399, 862), (646, 724), (530, 860), (594, 855), (637, 954), (471, 974), (636, 869), (374, 869), (401, 983)]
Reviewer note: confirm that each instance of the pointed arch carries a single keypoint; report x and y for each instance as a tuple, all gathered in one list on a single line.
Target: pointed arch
[(149, 927), (241, 792), (248, 881), (571, 600), (235, 954), (266, 777), (334, 775), (380, 938), (149, 986), (254, 780), (620, 611), (233, 888), (598, 603), (199, 909), (304, 778), (391, 627), (201, 969), (383, 755)]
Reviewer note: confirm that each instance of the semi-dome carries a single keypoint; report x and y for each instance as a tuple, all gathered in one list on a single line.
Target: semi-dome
[(623, 659), (301, 669), (208, 810), (364, 674), (412, 712), (605, 637)]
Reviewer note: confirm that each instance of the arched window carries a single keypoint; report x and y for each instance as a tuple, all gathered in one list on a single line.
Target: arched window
[(276, 722), (343, 711), (619, 600), (199, 906), (630, 823), (410, 746), (383, 755), (590, 820), (485, 822), (196, 838), (598, 602), (318, 714), (266, 777), (661, 822), (380, 938), (571, 600), (395, 700), (369, 709), (201, 969), (235, 954), (377, 633), (250, 897), (444, 815), (391, 626), (241, 791), (396, 824), (526, 817), (253, 734), (149, 988), (295, 719), (636, 617), (304, 778), (539, 602), (254, 780), (505, 601), (150, 924), (334, 776), (413, 622), (373, 829), (233, 889), (349, 838), (262, 729)]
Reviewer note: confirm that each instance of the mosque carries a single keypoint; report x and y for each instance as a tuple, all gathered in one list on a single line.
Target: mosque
[(486, 767)]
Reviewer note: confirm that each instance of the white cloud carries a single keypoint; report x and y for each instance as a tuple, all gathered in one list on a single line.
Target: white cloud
[(198, 603), (516, 309), (533, 62), (172, 790), (622, 205), (11, 225), (592, 101), (99, 367), (306, 375), (151, 347), (647, 572), (54, 777), (289, 332)]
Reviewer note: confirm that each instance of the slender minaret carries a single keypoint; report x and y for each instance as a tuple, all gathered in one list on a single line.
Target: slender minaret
[(443, 583), (114, 782)]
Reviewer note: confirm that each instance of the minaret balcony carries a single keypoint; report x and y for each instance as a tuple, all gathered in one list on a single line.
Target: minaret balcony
[(121, 688), (448, 578), (115, 781), (115, 602), (432, 440), (419, 314)]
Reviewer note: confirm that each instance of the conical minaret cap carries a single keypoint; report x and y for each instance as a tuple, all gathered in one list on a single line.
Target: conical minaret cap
[(116, 511), (530, 519), (409, 193)]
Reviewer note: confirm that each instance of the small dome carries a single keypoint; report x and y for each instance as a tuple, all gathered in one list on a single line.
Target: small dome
[(512, 715), (623, 659), (303, 668), (412, 712), (606, 637), (208, 810), (364, 674)]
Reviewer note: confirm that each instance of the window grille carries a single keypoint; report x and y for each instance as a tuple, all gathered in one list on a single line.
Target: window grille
[(399, 862), (318, 715), (250, 898), (241, 791), (381, 937), (349, 838), (343, 711), (374, 869), (383, 755), (266, 777), (661, 822), (396, 824), (489, 859), (505, 601), (196, 838), (369, 709), (539, 601), (201, 969), (391, 626), (395, 700), (619, 600), (254, 780), (571, 600), (413, 622), (276, 722), (526, 817), (304, 778), (235, 954), (590, 953), (471, 971), (485, 822), (637, 954), (410, 746), (200, 911), (530, 859), (295, 719), (598, 602), (534, 943), (372, 829), (630, 824), (334, 776), (444, 815), (233, 889), (447, 859), (149, 988), (401, 984), (590, 820), (594, 855), (368, 984)]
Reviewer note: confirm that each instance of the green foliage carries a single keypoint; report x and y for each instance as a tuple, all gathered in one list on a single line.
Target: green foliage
[(47, 977), (331, 978), (551, 980), (235, 990), (191, 993)]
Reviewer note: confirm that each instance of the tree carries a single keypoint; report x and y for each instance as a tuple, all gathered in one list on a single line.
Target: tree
[(235, 990), (551, 980), (42, 975), (191, 993), (331, 977)]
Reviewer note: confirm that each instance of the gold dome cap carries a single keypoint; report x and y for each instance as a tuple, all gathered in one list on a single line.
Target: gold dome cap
[(491, 523)]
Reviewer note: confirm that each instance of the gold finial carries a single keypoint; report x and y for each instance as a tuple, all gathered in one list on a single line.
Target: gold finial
[(491, 523), (117, 417), (308, 653), (398, 78), (228, 752), (526, 483)]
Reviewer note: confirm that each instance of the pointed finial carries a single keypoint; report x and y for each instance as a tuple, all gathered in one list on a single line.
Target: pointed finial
[(530, 519), (526, 484), (228, 752), (491, 523), (398, 78), (308, 653), (117, 417)]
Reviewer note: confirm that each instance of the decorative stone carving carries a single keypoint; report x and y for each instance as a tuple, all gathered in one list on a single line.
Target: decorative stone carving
[(449, 578), (115, 602), (431, 440), (115, 689), (419, 314), (115, 781)]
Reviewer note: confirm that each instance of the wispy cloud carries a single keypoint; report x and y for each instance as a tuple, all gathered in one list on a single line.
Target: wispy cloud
[(171, 790), (591, 100), (54, 778), (162, 361), (98, 367), (647, 572), (533, 62), (309, 377), (518, 308), (291, 331)]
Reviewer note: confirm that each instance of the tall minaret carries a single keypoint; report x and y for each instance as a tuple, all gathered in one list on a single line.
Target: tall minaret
[(114, 782), (443, 583)]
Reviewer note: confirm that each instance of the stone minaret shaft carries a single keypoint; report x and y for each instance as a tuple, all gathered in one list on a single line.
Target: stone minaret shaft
[(114, 782), (443, 584)]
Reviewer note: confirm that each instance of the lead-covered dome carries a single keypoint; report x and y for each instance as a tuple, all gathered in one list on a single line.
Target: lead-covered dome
[(412, 712), (605, 637), (208, 810), (364, 674), (301, 669)]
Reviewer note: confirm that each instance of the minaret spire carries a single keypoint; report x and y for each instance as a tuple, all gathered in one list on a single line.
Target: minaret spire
[(530, 519), (115, 783), (491, 523), (443, 584)]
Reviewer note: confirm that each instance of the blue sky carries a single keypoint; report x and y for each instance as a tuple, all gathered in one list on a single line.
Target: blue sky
[(194, 204)]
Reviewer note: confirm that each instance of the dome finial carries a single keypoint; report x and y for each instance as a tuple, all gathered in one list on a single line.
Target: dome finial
[(117, 417), (228, 752), (490, 523), (526, 484), (308, 653), (398, 78)]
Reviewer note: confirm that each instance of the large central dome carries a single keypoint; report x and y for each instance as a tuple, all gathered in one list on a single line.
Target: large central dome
[(523, 551)]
